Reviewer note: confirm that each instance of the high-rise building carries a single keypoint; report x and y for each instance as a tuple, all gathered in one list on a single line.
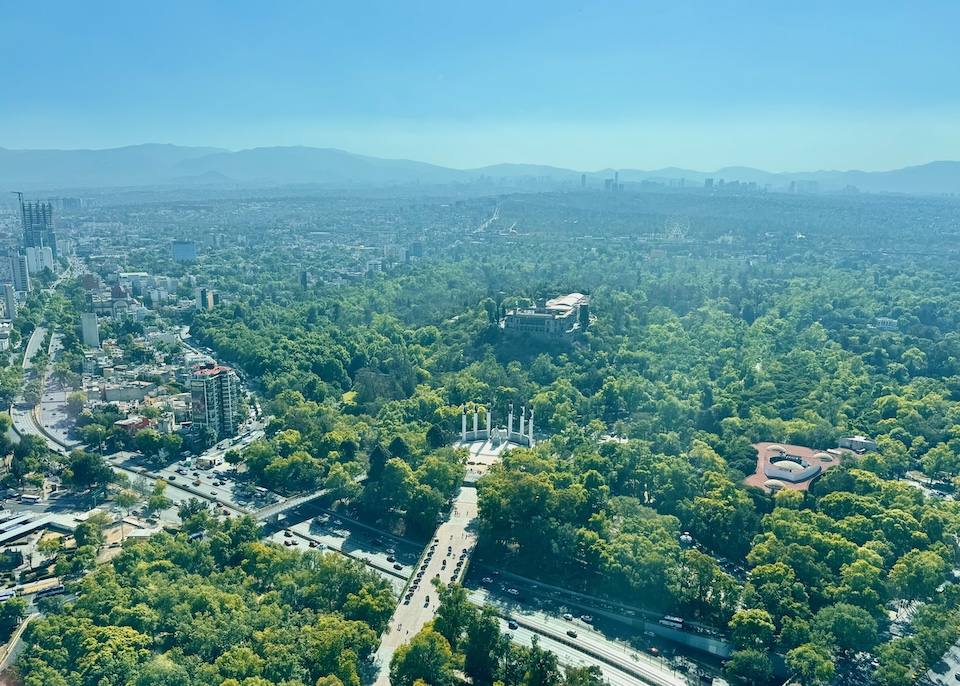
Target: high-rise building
[(39, 228), (205, 299), (21, 273), (583, 181), (183, 251), (215, 397), (10, 301), (708, 184), (39, 259), (91, 332)]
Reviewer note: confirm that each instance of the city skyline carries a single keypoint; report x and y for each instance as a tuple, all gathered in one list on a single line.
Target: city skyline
[(700, 86)]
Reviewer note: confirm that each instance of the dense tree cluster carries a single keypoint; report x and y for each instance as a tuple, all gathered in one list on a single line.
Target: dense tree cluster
[(225, 610)]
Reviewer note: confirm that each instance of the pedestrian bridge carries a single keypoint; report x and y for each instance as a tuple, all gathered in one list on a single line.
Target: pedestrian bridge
[(271, 513)]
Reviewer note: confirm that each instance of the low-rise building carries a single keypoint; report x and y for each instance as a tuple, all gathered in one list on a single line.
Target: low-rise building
[(858, 443), (132, 424)]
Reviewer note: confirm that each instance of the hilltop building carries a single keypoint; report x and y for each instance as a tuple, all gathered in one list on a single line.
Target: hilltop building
[(560, 318), (215, 397)]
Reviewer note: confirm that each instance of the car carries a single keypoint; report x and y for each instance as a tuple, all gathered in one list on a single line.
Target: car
[(213, 492), (337, 522), (196, 473), (391, 558), (287, 543), (172, 478), (512, 624), (513, 591), (389, 551), (287, 534), (486, 580), (587, 619), (196, 482), (406, 601), (398, 566), (572, 633), (294, 542), (567, 616), (653, 650), (313, 544)]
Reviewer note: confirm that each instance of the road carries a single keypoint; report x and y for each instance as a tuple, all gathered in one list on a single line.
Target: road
[(570, 657), (446, 560), (653, 670)]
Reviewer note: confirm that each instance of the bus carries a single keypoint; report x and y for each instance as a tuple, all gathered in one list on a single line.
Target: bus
[(261, 491), (7, 594), (50, 591), (672, 622), (38, 586), (30, 499)]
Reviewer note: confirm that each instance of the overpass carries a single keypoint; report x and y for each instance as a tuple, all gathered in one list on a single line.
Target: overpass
[(271, 513)]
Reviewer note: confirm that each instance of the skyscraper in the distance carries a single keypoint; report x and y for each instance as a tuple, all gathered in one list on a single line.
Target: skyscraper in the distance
[(583, 181), (39, 228)]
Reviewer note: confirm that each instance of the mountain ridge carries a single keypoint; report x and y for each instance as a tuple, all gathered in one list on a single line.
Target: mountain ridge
[(166, 164)]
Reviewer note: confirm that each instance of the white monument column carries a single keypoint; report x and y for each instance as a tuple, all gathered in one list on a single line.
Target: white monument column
[(488, 422), (523, 421), (510, 423), (476, 415), (530, 427), (463, 423)]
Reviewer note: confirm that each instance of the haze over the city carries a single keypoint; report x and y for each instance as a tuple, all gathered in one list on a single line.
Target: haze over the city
[(699, 85)]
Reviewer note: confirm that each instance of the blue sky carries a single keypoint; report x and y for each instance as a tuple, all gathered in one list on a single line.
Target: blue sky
[(700, 84)]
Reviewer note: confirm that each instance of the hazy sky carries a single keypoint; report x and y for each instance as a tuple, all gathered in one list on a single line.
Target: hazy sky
[(803, 85)]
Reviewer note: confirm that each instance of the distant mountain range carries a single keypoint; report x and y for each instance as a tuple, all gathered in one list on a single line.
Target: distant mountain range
[(171, 165)]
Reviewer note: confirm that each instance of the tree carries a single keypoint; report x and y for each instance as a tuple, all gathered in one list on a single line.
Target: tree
[(542, 667), (88, 533), (75, 402), (752, 629), (341, 484), (851, 627), (12, 613), (750, 667), (427, 656), (454, 614), (93, 435), (484, 646), (436, 437), (378, 460), (125, 499), (147, 441), (917, 574), (811, 663), (50, 546), (86, 470), (233, 457), (584, 676)]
